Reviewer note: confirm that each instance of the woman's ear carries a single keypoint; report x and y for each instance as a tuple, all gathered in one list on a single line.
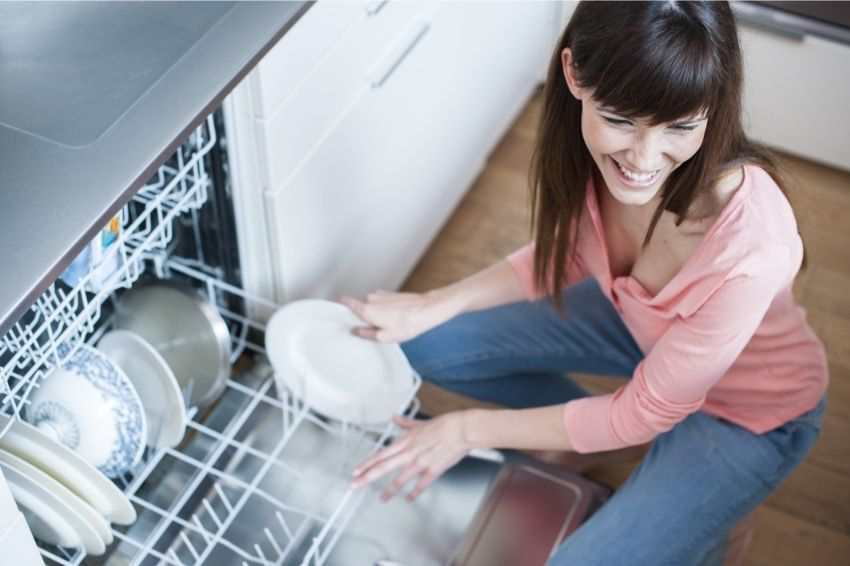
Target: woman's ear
[(570, 74)]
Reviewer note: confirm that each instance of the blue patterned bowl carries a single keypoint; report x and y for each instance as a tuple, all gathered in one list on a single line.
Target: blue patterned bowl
[(91, 406)]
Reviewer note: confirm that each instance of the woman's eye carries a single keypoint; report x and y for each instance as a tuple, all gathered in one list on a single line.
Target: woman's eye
[(684, 128), (616, 121)]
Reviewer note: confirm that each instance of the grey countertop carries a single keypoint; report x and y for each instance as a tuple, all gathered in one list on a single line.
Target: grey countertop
[(93, 98)]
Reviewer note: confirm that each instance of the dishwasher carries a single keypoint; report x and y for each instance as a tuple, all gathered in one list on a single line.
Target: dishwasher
[(258, 477)]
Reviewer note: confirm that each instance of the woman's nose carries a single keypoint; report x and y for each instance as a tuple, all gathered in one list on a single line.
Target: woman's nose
[(646, 151)]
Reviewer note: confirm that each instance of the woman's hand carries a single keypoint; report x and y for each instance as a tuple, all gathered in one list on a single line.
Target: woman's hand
[(424, 452), (396, 317)]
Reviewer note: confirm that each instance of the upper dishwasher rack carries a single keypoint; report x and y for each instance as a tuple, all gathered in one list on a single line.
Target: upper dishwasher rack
[(67, 314)]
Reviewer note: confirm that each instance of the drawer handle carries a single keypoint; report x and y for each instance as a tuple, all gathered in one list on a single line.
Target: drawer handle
[(372, 8), (384, 75), (768, 20)]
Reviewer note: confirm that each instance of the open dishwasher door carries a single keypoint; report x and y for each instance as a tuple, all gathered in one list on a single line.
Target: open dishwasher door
[(479, 513)]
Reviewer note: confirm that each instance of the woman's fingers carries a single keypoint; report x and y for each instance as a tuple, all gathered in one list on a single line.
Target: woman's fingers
[(400, 481), (357, 307), (379, 457), (426, 479), (368, 332), (406, 423), (381, 468)]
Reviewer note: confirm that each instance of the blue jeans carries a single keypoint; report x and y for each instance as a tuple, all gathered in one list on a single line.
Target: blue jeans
[(696, 481)]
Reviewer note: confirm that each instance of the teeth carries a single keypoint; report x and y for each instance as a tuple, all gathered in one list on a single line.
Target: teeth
[(637, 177)]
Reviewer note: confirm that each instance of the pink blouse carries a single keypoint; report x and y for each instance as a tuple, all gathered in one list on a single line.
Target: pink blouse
[(724, 336)]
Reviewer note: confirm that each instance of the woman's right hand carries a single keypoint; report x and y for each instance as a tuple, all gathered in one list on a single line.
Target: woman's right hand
[(396, 317)]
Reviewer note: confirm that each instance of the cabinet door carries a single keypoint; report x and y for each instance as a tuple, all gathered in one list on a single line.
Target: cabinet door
[(361, 210)]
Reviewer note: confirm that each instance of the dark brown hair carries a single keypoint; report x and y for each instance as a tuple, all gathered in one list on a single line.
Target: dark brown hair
[(661, 61)]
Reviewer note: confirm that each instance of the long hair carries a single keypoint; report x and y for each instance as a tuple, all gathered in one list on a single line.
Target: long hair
[(660, 61)]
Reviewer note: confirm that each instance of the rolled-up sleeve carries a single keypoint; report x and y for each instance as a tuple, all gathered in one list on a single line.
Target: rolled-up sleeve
[(672, 381)]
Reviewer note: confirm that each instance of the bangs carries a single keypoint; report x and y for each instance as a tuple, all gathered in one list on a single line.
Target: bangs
[(660, 71)]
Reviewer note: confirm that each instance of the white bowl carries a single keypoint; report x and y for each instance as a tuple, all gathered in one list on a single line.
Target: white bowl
[(89, 405)]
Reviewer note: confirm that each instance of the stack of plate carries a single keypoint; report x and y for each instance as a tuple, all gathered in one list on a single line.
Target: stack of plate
[(66, 501)]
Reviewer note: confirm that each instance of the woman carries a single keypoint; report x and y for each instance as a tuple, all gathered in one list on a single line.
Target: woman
[(664, 251)]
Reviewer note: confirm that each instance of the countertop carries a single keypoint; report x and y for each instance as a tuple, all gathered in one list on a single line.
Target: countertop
[(94, 97)]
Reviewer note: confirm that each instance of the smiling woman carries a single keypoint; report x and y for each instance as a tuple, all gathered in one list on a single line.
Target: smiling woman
[(664, 251)]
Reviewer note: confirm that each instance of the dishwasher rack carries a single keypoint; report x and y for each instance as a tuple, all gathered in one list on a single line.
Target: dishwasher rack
[(190, 499)]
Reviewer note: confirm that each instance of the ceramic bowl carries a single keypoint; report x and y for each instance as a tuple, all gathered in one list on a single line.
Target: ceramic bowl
[(90, 405)]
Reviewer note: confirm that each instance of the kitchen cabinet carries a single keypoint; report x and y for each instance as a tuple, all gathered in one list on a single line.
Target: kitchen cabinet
[(386, 158), (796, 93)]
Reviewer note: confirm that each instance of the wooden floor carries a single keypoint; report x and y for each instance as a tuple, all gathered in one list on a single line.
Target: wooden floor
[(807, 521)]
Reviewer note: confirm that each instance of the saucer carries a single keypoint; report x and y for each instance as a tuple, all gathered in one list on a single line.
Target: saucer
[(339, 375), (165, 410)]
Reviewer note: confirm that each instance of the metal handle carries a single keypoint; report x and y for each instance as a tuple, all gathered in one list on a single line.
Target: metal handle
[(382, 75), (768, 20), (372, 8)]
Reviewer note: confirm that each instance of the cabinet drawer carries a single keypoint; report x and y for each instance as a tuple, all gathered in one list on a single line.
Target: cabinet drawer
[(318, 102), (796, 94), (300, 50)]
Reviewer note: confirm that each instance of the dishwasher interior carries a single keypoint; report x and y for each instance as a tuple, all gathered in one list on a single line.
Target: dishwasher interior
[(257, 478)]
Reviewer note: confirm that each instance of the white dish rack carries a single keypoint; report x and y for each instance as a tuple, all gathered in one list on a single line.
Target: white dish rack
[(194, 521)]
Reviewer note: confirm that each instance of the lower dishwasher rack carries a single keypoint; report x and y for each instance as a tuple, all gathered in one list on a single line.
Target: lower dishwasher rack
[(258, 479)]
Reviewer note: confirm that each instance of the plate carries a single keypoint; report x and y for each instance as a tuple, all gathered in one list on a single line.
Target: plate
[(69, 468), (154, 382), (54, 514), (186, 330), (339, 375)]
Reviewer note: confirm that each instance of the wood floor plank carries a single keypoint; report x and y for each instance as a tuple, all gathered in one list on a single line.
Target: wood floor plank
[(783, 539), (817, 495)]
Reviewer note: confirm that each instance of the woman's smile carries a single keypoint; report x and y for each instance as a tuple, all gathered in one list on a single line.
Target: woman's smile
[(633, 178)]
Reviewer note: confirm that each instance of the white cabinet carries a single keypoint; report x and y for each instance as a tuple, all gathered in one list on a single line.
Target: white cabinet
[(387, 161), (797, 94)]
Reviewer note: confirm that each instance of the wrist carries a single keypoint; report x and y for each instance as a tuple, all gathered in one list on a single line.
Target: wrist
[(447, 299), (471, 428)]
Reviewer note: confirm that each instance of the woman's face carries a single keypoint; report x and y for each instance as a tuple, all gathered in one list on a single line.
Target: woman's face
[(634, 158)]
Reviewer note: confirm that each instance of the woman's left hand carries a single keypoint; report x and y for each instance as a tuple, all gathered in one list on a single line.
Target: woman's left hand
[(425, 451)]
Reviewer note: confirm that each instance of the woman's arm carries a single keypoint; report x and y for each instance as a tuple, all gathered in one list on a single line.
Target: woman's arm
[(541, 428), (493, 286)]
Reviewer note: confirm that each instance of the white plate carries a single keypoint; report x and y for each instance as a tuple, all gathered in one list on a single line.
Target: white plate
[(66, 466), (342, 376), (154, 382), (55, 515)]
